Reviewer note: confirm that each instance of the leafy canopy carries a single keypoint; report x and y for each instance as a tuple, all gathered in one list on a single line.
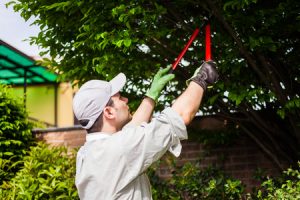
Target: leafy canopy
[(256, 45)]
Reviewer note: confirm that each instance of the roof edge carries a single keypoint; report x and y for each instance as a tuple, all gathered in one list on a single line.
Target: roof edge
[(17, 50)]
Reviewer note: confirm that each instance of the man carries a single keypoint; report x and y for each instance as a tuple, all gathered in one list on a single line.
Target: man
[(119, 147)]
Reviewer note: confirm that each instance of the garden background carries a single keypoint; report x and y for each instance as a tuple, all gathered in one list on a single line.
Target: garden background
[(255, 102)]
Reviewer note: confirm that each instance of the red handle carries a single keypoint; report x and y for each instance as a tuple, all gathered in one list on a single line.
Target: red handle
[(185, 48), (207, 42)]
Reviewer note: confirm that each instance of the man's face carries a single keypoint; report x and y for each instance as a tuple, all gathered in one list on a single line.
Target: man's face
[(122, 113)]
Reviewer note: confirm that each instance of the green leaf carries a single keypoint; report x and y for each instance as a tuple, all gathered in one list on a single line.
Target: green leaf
[(127, 42), (119, 43), (281, 113)]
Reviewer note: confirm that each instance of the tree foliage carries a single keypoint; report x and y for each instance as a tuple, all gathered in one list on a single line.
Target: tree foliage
[(256, 45)]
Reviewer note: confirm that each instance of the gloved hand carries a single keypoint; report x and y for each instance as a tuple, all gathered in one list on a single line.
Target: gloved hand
[(205, 75), (160, 79)]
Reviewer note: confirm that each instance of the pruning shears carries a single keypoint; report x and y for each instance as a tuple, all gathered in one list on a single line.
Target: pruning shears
[(206, 27)]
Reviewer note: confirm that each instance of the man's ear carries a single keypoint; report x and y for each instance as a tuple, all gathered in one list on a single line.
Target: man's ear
[(108, 112)]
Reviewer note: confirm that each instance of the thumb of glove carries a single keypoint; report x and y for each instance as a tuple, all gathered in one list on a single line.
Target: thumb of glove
[(159, 81)]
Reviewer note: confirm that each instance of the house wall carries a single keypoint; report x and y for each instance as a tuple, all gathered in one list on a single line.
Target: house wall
[(40, 103), (65, 115)]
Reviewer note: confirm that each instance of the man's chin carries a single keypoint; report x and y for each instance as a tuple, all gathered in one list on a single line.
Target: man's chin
[(129, 118)]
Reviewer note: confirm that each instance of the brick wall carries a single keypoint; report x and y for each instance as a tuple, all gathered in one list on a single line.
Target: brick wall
[(71, 137), (240, 159)]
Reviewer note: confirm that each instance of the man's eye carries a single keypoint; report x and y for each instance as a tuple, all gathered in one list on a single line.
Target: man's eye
[(121, 94)]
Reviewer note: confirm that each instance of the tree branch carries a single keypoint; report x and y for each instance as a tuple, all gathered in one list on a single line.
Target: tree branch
[(177, 17), (157, 41), (263, 147), (230, 117), (279, 92), (275, 83), (179, 70), (237, 40), (257, 121), (170, 50)]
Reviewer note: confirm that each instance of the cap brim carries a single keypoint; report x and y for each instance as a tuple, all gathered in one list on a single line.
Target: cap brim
[(117, 83)]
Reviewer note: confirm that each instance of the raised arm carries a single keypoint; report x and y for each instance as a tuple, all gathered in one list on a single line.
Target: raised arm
[(187, 104), (145, 110)]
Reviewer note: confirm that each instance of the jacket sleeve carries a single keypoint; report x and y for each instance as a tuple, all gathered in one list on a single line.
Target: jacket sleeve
[(147, 143)]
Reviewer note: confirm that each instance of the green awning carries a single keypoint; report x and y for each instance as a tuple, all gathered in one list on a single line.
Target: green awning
[(16, 68)]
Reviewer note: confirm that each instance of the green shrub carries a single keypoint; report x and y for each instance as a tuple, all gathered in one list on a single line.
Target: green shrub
[(285, 188), (190, 182), (159, 188), (15, 133), (47, 173)]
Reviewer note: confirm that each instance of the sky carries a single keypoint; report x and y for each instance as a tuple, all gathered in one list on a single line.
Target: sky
[(14, 30)]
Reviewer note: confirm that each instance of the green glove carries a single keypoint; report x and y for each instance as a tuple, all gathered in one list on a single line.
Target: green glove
[(160, 79)]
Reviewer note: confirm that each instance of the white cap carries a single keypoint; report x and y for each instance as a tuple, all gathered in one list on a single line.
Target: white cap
[(93, 96)]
